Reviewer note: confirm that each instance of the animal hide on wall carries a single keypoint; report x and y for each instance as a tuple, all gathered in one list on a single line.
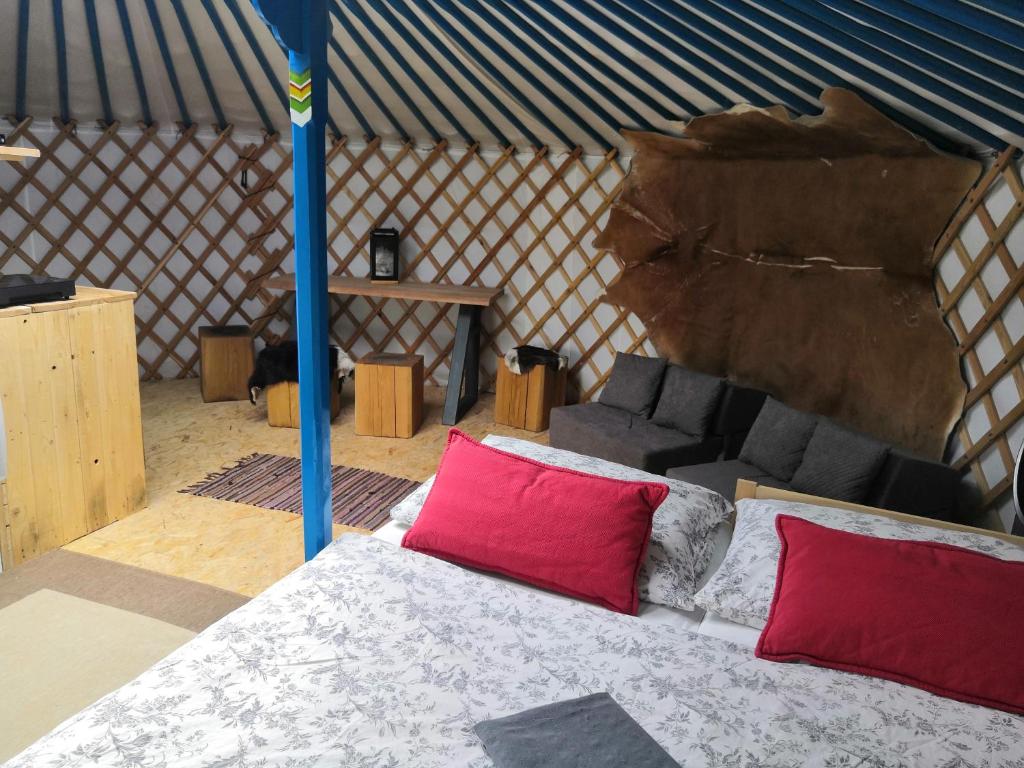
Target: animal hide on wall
[(796, 256)]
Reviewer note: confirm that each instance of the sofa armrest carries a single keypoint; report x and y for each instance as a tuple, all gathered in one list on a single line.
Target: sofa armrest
[(916, 486)]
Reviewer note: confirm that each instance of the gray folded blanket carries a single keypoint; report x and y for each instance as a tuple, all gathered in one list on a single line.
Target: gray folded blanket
[(592, 732)]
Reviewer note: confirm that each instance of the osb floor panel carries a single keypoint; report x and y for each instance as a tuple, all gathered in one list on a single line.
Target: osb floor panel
[(239, 547)]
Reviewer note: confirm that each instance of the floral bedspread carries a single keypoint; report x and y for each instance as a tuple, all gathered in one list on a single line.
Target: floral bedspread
[(375, 656)]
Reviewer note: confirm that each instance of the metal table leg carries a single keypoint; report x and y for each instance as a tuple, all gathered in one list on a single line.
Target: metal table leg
[(464, 374)]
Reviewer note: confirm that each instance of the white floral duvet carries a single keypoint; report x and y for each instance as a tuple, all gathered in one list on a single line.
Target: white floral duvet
[(375, 656)]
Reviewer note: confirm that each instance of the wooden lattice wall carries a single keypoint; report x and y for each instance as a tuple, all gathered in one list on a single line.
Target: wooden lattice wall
[(166, 214), (980, 283), (158, 213)]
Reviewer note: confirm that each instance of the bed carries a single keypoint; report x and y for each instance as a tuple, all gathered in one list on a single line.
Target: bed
[(372, 655)]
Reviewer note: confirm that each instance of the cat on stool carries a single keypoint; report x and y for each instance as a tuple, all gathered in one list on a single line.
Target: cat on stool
[(523, 359), (280, 362)]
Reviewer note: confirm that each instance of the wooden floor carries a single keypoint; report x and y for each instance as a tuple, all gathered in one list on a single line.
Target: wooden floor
[(238, 547)]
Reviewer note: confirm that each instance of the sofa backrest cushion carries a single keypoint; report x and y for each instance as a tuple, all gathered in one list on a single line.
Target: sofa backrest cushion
[(778, 438), (634, 383), (839, 464), (688, 401)]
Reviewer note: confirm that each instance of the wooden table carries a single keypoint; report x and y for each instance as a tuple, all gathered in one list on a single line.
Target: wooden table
[(464, 370)]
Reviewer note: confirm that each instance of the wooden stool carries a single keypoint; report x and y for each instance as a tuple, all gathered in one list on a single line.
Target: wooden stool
[(389, 395), (525, 400), (283, 403), (225, 362)]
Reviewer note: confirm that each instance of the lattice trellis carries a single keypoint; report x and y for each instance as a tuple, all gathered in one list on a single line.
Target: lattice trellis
[(980, 283), (136, 209), (166, 215), (466, 216)]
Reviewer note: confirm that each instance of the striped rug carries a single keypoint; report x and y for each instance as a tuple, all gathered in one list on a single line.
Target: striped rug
[(360, 498)]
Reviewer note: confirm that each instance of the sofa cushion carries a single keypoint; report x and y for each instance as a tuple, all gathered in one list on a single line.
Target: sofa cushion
[(594, 429), (839, 464), (721, 476), (633, 384), (688, 400), (778, 438)]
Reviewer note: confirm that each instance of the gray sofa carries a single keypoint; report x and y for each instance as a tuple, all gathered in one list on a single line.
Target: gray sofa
[(811, 454), (653, 416), (707, 431)]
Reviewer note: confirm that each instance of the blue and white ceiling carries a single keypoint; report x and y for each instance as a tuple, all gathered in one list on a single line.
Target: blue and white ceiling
[(532, 72)]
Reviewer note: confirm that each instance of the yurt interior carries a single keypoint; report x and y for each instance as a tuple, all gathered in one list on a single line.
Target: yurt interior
[(513, 383)]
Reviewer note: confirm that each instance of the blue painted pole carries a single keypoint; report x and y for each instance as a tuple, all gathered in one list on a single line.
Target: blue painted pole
[(303, 26)]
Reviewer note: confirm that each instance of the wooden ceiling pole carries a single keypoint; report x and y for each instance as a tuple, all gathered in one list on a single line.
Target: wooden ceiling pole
[(303, 27)]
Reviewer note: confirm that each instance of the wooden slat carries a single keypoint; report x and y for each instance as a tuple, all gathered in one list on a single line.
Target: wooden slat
[(407, 289), (6, 545), (85, 296), (17, 154)]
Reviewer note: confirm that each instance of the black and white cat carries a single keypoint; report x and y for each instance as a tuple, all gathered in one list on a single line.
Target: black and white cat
[(523, 359), (280, 362)]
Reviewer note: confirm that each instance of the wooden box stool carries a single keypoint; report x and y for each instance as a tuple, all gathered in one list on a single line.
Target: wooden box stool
[(225, 362), (389, 395), (283, 403), (525, 400)]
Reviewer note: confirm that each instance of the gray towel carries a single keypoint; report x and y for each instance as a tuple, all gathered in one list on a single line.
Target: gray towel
[(592, 732)]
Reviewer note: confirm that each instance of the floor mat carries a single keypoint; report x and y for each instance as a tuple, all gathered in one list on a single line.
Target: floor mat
[(73, 628), (359, 498)]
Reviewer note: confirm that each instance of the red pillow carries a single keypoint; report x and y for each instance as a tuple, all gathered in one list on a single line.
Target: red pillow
[(570, 532), (942, 618)]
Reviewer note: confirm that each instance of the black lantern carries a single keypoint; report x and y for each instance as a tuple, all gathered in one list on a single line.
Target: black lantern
[(384, 256)]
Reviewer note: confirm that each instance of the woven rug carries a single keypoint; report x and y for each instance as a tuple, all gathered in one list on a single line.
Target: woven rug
[(73, 628), (359, 498)]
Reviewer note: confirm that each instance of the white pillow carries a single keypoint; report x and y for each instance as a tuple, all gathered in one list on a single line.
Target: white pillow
[(682, 534), (742, 588)]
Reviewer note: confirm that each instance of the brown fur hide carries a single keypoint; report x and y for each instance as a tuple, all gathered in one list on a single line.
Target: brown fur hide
[(796, 256)]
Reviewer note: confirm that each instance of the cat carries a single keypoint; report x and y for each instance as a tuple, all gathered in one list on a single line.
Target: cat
[(280, 362), (523, 359)]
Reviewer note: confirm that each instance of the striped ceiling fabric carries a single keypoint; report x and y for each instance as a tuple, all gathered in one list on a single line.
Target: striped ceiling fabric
[(556, 73)]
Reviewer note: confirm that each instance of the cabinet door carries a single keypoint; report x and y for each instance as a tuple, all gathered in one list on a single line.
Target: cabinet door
[(45, 490), (102, 338)]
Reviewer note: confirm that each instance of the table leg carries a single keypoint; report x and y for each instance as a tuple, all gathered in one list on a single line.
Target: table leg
[(464, 373)]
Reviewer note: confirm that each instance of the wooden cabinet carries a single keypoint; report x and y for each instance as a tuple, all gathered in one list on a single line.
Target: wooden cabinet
[(69, 386)]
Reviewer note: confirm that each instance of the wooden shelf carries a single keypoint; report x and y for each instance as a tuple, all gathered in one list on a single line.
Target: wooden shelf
[(407, 289), (16, 154)]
